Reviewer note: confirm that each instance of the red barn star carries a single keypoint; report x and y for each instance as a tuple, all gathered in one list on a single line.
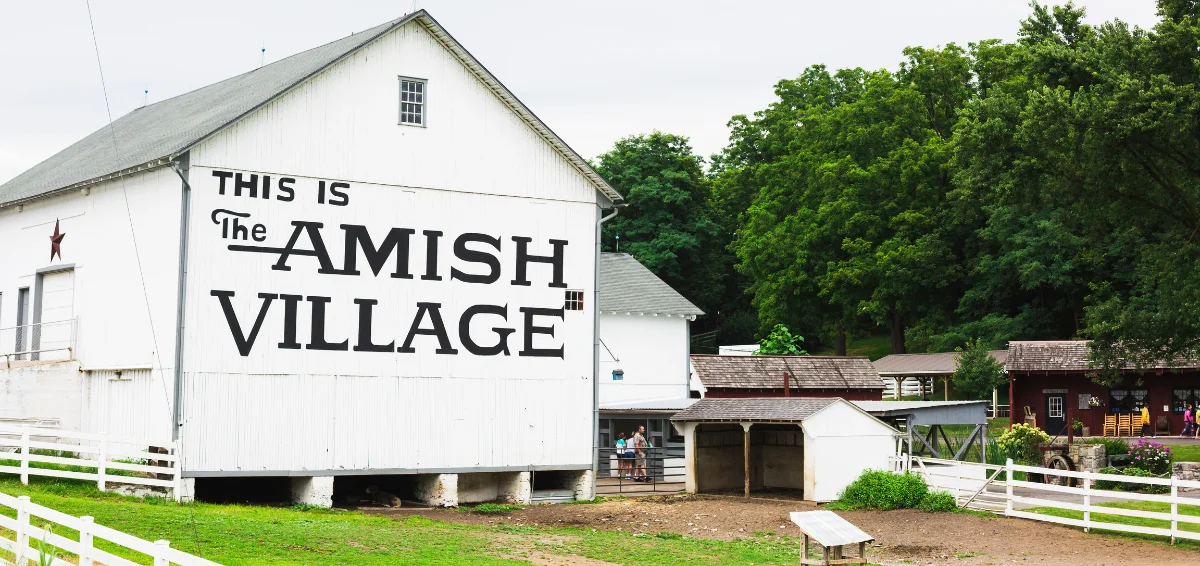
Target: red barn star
[(56, 242)]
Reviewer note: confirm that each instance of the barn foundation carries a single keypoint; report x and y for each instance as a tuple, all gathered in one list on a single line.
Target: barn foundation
[(514, 487), (313, 490), (438, 490)]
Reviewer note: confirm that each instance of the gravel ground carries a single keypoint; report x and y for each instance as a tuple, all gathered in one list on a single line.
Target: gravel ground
[(902, 537)]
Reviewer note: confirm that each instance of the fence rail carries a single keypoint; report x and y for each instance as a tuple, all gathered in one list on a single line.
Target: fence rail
[(30, 537), (39, 342), (660, 470), (981, 486), (23, 446)]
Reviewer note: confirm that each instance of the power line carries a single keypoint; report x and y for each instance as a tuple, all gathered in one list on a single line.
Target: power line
[(138, 257)]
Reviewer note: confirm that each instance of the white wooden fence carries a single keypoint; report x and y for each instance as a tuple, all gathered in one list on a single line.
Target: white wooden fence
[(29, 535), (980, 486), (100, 452)]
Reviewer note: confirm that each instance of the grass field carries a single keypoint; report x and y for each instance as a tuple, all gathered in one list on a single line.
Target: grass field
[(1155, 506), (873, 347), (238, 534)]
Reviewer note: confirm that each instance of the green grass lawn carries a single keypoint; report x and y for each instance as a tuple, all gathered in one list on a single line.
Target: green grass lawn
[(240, 534), (1186, 453), (1122, 520)]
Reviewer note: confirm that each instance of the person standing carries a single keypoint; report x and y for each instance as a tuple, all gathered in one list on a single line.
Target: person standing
[(622, 461), (1146, 421), (639, 448), (1189, 422)]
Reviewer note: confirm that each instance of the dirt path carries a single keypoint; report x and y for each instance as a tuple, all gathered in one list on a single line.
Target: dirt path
[(902, 537)]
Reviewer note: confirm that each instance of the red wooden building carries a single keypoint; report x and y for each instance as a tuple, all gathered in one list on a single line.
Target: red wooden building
[(850, 377), (1052, 380)]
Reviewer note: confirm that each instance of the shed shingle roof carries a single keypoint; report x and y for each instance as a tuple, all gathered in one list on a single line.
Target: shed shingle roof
[(627, 286), (165, 129), (926, 364), (766, 372), (788, 409), (1069, 355)]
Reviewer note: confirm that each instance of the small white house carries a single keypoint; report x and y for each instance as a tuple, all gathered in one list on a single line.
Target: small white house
[(813, 445), (365, 259)]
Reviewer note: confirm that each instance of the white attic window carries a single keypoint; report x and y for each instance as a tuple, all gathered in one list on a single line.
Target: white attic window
[(412, 101)]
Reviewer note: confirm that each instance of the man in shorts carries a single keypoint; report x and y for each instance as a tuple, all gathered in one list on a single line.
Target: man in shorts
[(639, 448)]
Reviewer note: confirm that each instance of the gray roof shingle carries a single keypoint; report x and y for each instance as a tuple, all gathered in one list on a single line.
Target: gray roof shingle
[(627, 286), (1070, 355), (766, 372), (165, 129), (935, 363), (750, 409)]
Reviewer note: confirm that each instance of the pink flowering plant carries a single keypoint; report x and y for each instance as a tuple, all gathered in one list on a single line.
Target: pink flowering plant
[(1151, 456)]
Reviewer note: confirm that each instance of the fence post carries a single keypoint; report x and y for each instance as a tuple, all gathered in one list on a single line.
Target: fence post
[(22, 529), (102, 459), (25, 457), (1174, 508), (159, 558), (85, 540), (1087, 502), (1008, 491)]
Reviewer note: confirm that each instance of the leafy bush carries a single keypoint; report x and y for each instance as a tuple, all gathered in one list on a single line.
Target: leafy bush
[(938, 502), (1151, 456), (1112, 446), (781, 342), (491, 508), (1142, 487), (1105, 484), (1021, 443), (977, 372), (879, 489)]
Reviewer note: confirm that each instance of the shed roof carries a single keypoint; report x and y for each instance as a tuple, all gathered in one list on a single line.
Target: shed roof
[(828, 528), (1070, 355), (154, 134), (938, 363), (805, 372), (928, 412), (771, 409), (627, 286), (656, 405)]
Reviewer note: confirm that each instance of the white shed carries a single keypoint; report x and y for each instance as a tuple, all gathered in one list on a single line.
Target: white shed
[(813, 445)]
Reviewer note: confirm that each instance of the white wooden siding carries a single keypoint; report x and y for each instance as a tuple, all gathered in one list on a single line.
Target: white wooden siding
[(651, 350), (344, 124), (135, 405)]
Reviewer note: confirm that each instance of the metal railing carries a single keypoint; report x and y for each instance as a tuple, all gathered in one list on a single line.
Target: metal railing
[(656, 470), (998, 411), (38, 342)]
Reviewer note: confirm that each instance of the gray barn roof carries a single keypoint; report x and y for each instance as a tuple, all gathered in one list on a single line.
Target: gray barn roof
[(805, 372), (626, 286), (1070, 355), (939, 363), (775, 409), (152, 135)]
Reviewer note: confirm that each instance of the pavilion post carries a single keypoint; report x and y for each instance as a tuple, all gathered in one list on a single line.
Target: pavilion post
[(946, 387), (746, 456)]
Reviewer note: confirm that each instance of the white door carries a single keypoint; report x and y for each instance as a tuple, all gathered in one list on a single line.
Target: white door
[(58, 310)]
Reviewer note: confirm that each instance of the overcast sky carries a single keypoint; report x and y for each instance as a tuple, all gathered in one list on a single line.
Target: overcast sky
[(593, 71)]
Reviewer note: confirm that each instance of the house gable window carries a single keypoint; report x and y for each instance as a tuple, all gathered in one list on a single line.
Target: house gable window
[(412, 101)]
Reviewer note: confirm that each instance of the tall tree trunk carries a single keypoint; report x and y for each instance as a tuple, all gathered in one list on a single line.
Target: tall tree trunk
[(839, 342), (896, 331)]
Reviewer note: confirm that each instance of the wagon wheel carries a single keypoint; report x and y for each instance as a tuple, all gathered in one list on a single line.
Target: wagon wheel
[(1058, 462)]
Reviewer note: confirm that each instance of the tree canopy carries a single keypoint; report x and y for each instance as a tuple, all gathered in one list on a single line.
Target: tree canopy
[(1046, 188)]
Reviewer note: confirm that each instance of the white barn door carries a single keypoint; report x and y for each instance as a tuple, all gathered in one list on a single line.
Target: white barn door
[(58, 310)]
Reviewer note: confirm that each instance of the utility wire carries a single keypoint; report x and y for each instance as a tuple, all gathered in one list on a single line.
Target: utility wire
[(138, 257)]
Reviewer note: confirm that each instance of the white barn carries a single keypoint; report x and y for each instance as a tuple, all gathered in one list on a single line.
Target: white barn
[(368, 258)]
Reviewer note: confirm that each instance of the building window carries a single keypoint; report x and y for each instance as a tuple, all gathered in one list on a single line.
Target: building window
[(1181, 398), (1119, 401), (1056, 407), (412, 101), (574, 301)]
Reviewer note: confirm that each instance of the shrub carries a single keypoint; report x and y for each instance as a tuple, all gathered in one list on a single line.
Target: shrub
[(1151, 456), (1021, 443), (1112, 446), (938, 502), (1145, 488), (1105, 484), (879, 489)]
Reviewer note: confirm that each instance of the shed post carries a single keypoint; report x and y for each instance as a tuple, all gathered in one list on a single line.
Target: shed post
[(746, 455), (946, 387)]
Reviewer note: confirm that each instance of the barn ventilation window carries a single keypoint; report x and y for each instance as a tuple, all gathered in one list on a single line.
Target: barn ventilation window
[(412, 101), (574, 301)]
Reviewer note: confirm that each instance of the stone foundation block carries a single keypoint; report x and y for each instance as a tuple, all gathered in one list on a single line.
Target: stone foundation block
[(438, 490), (313, 490)]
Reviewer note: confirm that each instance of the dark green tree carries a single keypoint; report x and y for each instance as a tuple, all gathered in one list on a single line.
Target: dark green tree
[(668, 224), (977, 373)]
